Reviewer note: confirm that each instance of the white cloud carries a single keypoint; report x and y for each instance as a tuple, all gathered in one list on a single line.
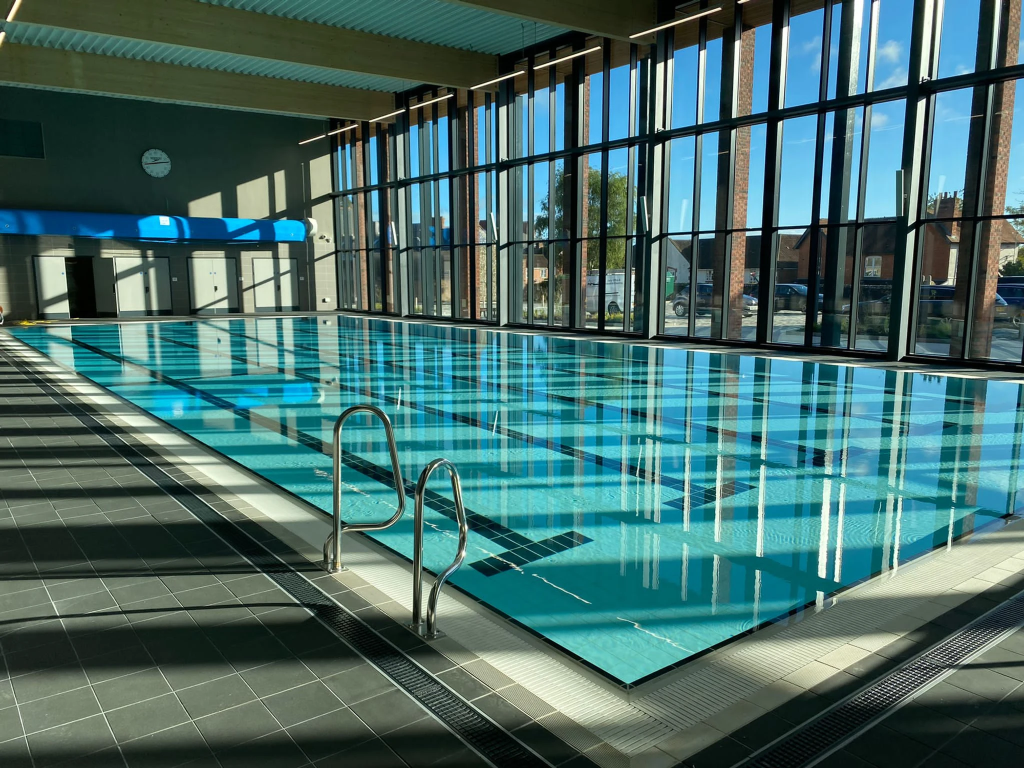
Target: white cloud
[(897, 78), (879, 119), (890, 51), (811, 46)]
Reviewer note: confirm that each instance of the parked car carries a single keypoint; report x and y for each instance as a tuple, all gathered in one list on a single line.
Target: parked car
[(939, 301), (705, 291), (614, 292), (1013, 294), (788, 296)]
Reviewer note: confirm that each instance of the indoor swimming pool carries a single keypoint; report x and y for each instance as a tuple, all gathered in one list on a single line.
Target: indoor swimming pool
[(634, 505)]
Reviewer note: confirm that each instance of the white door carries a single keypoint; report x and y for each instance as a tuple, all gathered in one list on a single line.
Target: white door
[(52, 288), (214, 284), (274, 284), (143, 286), (264, 283)]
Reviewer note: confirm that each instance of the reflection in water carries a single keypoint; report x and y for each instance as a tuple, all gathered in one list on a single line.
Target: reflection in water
[(635, 505)]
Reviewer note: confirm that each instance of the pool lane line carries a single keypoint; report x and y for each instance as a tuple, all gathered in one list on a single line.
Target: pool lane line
[(474, 728), (817, 454), (517, 549), (521, 554), (555, 447)]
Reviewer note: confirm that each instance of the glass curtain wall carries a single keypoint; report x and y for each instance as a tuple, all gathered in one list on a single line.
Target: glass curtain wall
[(819, 174)]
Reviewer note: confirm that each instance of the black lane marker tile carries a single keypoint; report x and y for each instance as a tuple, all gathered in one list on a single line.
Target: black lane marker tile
[(491, 741), (840, 724)]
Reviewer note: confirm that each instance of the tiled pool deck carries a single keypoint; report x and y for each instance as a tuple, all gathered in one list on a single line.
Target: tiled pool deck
[(131, 634)]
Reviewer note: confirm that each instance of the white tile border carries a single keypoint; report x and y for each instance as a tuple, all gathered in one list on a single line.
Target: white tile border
[(764, 669)]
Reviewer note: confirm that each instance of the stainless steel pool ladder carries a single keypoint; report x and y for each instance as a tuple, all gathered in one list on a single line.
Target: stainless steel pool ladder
[(428, 630), (332, 547)]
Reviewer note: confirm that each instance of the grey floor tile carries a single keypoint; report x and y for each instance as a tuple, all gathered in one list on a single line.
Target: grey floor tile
[(983, 750), (78, 738), (886, 747), (358, 684), (215, 696), (303, 703), (277, 676), (180, 745), (1003, 661), (59, 652), (924, 724), (131, 688), (370, 754), (26, 598), (48, 682), (463, 683), (389, 711), (117, 663), (423, 743), (187, 675), (984, 682), (331, 733), (238, 725), (146, 717), (843, 759), (274, 751), (10, 724), (546, 744), (954, 702), (15, 754), (148, 589)]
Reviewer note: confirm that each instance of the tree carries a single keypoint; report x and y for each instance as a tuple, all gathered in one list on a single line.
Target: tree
[(1018, 224), (555, 226)]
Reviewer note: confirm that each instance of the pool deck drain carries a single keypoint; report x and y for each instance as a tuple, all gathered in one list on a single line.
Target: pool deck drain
[(673, 718)]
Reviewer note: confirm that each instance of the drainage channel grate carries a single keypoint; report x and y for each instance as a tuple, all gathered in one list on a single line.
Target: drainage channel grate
[(489, 739), (840, 724)]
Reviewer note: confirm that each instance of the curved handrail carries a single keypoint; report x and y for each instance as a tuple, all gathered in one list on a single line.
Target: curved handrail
[(332, 547), (417, 562)]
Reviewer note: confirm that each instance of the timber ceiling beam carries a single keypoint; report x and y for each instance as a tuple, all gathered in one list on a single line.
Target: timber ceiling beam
[(606, 18), (52, 68), (246, 33)]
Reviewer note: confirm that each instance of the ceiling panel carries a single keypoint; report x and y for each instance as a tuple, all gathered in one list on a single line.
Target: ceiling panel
[(426, 21)]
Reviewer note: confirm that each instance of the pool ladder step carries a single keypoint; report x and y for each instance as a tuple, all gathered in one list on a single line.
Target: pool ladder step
[(426, 628)]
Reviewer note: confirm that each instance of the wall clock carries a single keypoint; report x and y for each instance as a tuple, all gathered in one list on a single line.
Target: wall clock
[(156, 163)]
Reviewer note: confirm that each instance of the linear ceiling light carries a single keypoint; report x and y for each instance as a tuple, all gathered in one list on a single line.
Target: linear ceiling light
[(566, 58), (510, 75), (432, 101), (342, 130), (651, 31), (385, 117), (315, 138), (14, 10)]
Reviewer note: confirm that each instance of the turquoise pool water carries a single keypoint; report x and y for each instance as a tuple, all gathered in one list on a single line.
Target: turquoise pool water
[(634, 505)]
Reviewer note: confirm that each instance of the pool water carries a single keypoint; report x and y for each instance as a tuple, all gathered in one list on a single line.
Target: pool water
[(634, 505)]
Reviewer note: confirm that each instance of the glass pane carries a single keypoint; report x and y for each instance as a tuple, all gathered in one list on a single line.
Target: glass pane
[(755, 53), (618, 296), (826, 165), (619, 106), (541, 190), (803, 73), (559, 253), (590, 280), (540, 284), (958, 46), (519, 129), (892, 48), (796, 188), (559, 116), (885, 158), (745, 262), (874, 295), (414, 148), (712, 280), (679, 214), (593, 98), (713, 74), (939, 307), (832, 329), (442, 144), (590, 226), (618, 193), (684, 79), (792, 300), (953, 120), (748, 199), (676, 277), (708, 181), (542, 112), (1005, 189), (997, 299)]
